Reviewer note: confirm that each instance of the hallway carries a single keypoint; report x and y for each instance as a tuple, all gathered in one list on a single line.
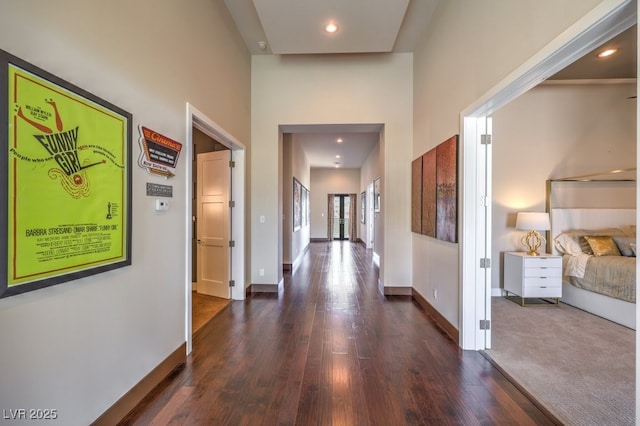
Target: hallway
[(330, 349)]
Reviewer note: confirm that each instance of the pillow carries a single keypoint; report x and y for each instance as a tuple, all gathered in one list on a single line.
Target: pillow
[(624, 245), (629, 230), (602, 245), (584, 244), (577, 235), (565, 244)]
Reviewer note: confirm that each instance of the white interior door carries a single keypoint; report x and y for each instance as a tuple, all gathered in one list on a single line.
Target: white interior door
[(213, 225)]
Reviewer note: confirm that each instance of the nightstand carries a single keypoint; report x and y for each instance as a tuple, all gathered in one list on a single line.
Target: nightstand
[(537, 277)]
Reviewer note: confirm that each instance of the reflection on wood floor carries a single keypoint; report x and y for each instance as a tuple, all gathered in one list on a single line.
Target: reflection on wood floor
[(205, 308), (330, 349)]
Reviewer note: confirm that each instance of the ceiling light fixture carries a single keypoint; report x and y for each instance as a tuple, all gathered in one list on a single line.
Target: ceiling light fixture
[(338, 156), (606, 53), (339, 140), (331, 28)]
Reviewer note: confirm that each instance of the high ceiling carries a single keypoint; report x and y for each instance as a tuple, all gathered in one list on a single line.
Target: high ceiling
[(297, 27), (370, 26)]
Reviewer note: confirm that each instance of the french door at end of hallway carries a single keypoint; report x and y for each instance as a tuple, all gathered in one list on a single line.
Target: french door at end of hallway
[(341, 219)]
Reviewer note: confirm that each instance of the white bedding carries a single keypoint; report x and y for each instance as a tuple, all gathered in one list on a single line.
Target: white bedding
[(575, 265), (599, 260), (575, 221), (613, 276)]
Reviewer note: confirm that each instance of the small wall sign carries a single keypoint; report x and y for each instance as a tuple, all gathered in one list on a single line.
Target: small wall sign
[(157, 190), (159, 153)]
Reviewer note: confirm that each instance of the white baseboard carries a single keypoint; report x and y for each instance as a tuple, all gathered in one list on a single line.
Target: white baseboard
[(496, 292)]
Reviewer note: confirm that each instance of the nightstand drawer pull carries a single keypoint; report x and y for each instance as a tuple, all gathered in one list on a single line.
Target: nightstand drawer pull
[(537, 262), (543, 272)]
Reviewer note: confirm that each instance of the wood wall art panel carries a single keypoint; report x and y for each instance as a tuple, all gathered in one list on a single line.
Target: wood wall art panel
[(429, 193), (447, 190)]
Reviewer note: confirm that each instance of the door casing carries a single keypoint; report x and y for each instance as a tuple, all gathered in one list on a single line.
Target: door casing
[(197, 119)]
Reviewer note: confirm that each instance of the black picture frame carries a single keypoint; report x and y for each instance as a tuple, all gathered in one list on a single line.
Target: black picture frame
[(84, 260), (305, 206), (297, 205), (376, 195)]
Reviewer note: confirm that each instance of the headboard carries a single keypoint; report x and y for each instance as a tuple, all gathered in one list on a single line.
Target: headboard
[(563, 220)]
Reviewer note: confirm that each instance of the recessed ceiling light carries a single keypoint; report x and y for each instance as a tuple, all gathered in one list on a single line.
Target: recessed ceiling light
[(606, 53), (331, 27), (339, 140), (338, 156)]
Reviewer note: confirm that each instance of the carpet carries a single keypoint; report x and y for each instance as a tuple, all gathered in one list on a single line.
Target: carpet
[(580, 367)]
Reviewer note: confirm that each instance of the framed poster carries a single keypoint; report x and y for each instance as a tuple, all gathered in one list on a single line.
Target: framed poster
[(363, 207), (67, 178), (305, 206), (297, 204), (376, 195)]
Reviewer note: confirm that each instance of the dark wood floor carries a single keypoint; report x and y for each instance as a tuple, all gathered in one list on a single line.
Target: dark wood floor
[(331, 350)]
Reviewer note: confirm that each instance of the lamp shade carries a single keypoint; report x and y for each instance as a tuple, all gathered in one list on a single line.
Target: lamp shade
[(533, 221)]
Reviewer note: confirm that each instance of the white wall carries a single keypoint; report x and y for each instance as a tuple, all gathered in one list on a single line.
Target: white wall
[(467, 49), (287, 197), (79, 346), (330, 181), (556, 131), (331, 89)]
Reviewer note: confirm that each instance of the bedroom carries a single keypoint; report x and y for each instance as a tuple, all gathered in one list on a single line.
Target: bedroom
[(559, 129)]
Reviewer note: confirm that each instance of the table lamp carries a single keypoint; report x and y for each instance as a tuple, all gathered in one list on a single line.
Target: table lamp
[(533, 222)]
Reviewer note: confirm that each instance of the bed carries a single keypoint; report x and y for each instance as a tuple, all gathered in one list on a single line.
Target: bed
[(597, 277)]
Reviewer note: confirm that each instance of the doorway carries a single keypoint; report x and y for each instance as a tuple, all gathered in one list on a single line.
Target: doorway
[(211, 229), (341, 217), (196, 120), (579, 39)]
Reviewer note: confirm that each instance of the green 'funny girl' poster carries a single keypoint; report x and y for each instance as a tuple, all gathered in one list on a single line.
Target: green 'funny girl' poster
[(68, 187)]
